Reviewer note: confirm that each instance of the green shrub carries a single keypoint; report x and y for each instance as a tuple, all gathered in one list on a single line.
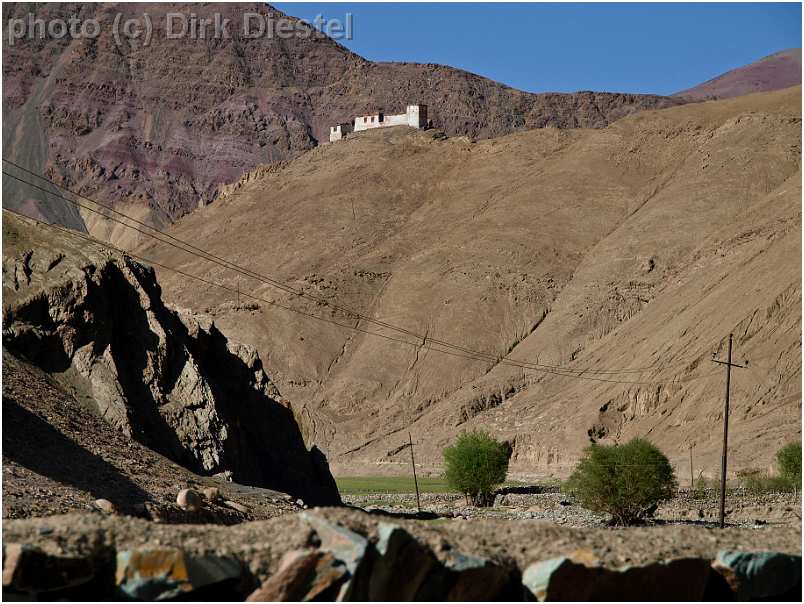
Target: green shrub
[(788, 479), (627, 481), (789, 459), (757, 482), (475, 465)]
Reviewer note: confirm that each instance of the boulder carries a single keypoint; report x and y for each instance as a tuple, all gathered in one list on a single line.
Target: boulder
[(351, 549), (567, 578), (761, 575), (401, 566), (105, 506), (303, 576), (29, 570), (163, 573), (212, 494), (225, 476), (236, 506), (189, 500)]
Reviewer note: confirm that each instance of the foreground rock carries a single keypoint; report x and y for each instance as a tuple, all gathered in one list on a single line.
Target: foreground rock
[(168, 379), (329, 554), (687, 579), (761, 575), (303, 576), (163, 573)]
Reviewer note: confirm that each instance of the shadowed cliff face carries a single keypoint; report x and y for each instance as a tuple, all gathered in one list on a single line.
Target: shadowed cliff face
[(168, 379), (159, 128)]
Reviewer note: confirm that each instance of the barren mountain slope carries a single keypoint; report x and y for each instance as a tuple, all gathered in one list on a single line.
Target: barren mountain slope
[(638, 246), (159, 128), (779, 70)]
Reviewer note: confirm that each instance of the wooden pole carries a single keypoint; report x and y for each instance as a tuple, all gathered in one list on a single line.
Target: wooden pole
[(724, 456), (415, 480), (692, 476)]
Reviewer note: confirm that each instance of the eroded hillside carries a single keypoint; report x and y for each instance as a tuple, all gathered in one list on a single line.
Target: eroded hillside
[(614, 262)]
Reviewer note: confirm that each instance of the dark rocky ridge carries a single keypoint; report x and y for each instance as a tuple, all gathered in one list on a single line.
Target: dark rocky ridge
[(166, 378), (160, 128)]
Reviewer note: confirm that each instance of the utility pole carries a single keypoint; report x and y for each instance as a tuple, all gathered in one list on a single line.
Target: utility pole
[(415, 480), (692, 478), (723, 458)]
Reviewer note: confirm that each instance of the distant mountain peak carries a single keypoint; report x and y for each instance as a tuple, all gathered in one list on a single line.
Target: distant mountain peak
[(779, 70)]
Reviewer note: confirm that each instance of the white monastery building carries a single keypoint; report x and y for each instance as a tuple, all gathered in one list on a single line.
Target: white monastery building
[(415, 116)]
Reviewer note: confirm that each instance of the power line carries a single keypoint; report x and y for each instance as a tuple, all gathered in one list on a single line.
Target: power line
[(268, 280), (467, 353), (108, 246), (201, 253), (428, 346)]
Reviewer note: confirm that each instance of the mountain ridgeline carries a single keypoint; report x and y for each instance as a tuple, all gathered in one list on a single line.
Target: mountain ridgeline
[(158, 128)]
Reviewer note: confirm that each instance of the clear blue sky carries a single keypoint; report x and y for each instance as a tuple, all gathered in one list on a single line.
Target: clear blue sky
[(659, 48)]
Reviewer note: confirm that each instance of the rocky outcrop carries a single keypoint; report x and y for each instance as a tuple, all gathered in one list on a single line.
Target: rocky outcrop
[(60, 456), (169, 379)]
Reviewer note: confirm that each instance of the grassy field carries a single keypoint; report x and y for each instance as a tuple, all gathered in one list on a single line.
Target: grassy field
[(366, 485), (359, 485)]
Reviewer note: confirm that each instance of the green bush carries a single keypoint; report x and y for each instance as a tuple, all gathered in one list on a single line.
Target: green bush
[(789, 459), (627, 481), (788, 479), (757, 482), (475, 465)]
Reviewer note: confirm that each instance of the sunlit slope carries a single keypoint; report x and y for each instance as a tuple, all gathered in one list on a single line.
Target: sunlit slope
[(636, 246)]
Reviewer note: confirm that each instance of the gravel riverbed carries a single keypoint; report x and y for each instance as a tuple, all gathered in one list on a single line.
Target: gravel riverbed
[(743, 509)]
